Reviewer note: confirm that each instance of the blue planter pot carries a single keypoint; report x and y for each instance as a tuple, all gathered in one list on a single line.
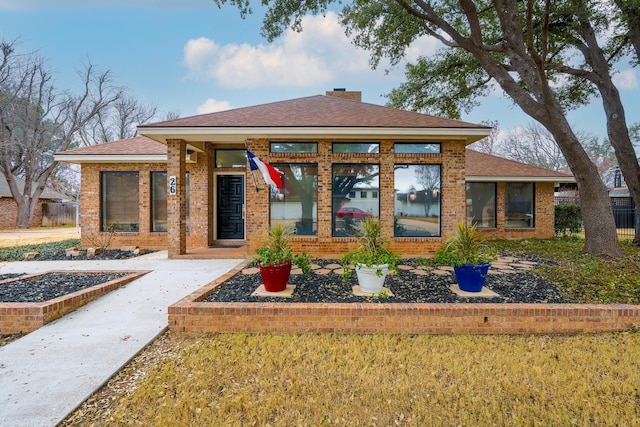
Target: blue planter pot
[(471, 277)]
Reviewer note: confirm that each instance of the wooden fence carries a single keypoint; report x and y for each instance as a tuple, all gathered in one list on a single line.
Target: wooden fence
[(58, 214)]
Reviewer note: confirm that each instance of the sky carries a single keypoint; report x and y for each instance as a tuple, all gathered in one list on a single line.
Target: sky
[(190, 57)]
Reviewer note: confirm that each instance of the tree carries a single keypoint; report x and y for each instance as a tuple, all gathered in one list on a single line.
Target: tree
[(489, 144), (37, 120), (585, 33), (119, 121), (533, 145), (506, 43)]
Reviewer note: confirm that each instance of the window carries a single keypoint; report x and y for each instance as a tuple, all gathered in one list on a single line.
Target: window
[(347, 211), (158, 201), (363, 194), (297, 204), (359, 147), (519, 197), (374, 194), (417, 200), (119, 209), (421, 148), (481, 204), (294, 147), (231, 159), (352, 194)]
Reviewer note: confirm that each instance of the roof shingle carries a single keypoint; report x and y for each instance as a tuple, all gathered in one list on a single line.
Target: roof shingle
[(316, 111)]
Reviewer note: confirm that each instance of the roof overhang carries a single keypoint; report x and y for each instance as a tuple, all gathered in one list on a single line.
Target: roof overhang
[(554, 179), (241, 134), (111, 158)]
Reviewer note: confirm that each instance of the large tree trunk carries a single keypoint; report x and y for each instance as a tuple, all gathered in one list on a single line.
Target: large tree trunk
[(601, 237), (617, 128), (26, 209)]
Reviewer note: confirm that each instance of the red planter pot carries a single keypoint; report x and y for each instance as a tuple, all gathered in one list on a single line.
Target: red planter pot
[(275, 277)]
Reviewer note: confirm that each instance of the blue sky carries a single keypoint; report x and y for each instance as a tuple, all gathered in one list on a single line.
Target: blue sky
[(192, 57)]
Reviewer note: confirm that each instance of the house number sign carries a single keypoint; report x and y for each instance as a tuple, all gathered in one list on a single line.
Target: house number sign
[(173, 186)]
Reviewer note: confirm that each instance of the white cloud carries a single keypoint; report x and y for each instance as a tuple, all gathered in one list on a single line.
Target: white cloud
[(211, 106), (312, 57), (321, 53), (626, 80)]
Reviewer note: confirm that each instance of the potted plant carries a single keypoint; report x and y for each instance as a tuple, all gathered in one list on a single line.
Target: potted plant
[(276, 257), (469, 256), (372, 260)]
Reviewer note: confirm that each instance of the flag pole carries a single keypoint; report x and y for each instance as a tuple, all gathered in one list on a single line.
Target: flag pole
[(255, 183)]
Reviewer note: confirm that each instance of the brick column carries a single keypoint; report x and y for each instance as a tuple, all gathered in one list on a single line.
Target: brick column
[(177, 203)]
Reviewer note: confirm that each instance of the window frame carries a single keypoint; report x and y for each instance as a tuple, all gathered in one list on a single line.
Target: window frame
[(274, 199), (532, 219), (134, 227), (495, 202), (335, 209), (438, 190), (153, 218)]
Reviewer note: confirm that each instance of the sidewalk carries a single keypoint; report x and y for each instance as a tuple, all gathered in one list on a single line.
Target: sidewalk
[(46, 374)]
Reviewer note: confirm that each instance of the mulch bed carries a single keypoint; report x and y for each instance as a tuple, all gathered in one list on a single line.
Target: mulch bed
[(111, 254), (406, 286), (48, 286)]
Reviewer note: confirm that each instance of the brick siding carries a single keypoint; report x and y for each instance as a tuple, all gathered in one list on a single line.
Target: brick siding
[(9, 213), (202, 195)]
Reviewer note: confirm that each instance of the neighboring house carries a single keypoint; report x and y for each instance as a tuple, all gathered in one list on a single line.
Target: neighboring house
[(192, 188), (9, 208)]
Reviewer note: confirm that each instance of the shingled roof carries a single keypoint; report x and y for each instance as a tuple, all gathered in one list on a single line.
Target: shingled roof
[(139, 148), (316, 111), (486, 167)]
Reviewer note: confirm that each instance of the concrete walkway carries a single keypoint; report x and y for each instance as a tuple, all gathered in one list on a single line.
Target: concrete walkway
[(46, 374)]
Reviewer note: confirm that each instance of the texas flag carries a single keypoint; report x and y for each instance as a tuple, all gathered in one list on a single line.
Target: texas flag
[(271, 175)]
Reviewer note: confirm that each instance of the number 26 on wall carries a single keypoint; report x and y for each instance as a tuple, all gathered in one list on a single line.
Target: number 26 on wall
[(173, 186)]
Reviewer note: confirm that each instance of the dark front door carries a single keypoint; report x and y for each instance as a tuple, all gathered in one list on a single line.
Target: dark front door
[(230, 218)]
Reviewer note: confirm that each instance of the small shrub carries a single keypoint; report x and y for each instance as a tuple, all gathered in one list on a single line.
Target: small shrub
[(568, 219)]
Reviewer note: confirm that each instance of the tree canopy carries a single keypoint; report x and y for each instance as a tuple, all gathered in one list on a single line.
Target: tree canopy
[(545, 55)]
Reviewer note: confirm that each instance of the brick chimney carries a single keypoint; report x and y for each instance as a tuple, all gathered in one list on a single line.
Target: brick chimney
[(346, 94)]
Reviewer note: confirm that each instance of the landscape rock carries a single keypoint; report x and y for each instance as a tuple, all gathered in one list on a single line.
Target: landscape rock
[(31, 255)]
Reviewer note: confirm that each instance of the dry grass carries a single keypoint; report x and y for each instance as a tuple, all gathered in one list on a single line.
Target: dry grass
[(386, 380)]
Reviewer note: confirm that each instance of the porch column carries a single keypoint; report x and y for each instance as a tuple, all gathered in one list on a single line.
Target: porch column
[(177, 197)]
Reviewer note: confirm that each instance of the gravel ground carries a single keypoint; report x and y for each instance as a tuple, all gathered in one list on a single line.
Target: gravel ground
[(406, 286), (106, 255), (51, 285)]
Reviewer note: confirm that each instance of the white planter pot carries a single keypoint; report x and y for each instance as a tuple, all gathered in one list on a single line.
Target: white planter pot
[(368, 278)]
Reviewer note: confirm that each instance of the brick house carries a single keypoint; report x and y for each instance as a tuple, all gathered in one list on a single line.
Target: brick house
[(9, 207), (185, 183)]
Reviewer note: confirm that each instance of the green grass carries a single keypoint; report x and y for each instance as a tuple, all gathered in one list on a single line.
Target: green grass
[(16, 253), (583, 278), (387, 380)]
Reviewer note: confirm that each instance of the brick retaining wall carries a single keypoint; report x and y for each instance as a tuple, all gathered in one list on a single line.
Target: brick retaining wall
[(25, 317), (191, 314)]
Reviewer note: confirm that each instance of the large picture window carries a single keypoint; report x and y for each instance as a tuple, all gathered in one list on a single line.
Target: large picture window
[(519, 209), (297, 204), (119, 201), (349, 212), (481, 204), (417, 200), (158, 201)]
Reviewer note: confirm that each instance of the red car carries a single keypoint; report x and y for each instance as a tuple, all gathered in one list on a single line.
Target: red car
[(354, 213)]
